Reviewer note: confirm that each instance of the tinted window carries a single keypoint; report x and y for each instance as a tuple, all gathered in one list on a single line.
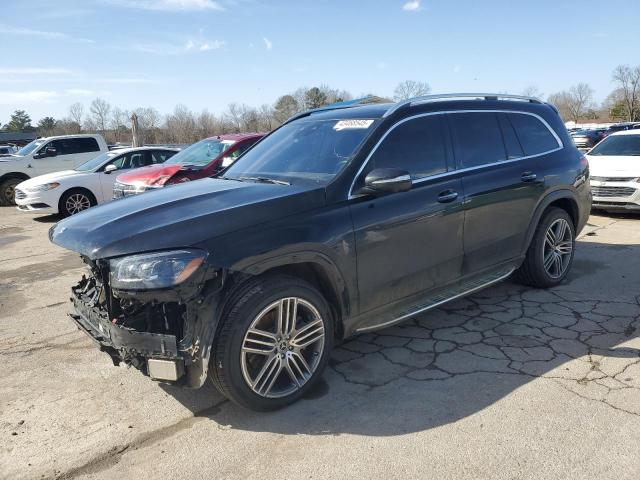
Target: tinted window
[(83, 145), (477, 139), (511, 143), (534, 136), (417, 146), (618, 145), (306, 150), (161, 156)]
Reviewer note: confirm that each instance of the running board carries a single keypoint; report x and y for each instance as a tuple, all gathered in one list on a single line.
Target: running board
[(461, 290)]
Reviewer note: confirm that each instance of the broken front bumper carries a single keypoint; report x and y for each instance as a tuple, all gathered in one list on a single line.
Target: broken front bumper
[(155, 354)]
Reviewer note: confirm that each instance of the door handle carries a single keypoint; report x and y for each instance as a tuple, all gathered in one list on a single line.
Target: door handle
[(528, 177), (447, 196)]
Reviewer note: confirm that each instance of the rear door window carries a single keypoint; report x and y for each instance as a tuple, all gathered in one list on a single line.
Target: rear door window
[(417, 145), (84, 145), (534, 136), (511, 143), (477, 139)]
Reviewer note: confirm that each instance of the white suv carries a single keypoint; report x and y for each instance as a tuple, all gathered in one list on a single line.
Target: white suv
[(615, 172), (46, 155)]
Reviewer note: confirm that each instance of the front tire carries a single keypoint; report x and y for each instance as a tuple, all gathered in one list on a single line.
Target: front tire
[(8, 191), (75, 201), (273, 343), (550, 255)]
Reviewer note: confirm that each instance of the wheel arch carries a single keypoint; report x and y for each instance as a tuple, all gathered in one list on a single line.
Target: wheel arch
[(564, 199), (317, 269), (19, 175)]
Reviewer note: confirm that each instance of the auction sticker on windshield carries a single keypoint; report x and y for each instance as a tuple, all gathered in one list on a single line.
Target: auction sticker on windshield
[(352, 124)]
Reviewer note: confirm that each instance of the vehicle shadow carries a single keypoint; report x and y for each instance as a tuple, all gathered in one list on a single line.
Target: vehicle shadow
[(48, 218), (455, 361)]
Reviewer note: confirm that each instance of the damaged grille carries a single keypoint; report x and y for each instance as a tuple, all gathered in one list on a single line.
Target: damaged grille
[(126, 328)]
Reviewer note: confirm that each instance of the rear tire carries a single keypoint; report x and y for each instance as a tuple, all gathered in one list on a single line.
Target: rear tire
[(262, 363), (550, 255), (7, 191)]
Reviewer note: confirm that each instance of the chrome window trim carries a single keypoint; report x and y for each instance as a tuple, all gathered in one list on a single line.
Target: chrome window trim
[(451, 172)]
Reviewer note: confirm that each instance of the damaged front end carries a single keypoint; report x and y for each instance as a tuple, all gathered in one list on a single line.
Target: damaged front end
[(156, 312)]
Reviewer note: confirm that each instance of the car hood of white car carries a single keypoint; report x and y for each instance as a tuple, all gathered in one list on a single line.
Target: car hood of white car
[(52, 177), (614, 166)]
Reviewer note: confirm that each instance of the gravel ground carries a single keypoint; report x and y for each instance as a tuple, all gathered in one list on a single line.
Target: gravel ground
[(509, 383)]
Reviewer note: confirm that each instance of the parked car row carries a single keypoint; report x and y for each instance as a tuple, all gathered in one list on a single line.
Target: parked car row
[(615, 171), (76, 183), (343, 220), (587, 138)]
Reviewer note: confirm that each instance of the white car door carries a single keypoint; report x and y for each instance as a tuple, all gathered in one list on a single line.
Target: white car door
[(124, 162), (51, 157)]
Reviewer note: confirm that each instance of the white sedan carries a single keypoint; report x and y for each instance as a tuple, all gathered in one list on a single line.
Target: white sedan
[(71, 191), (615, 172)]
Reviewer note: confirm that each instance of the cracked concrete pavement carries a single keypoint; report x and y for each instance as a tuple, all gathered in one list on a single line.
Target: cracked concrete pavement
[(509, 383)]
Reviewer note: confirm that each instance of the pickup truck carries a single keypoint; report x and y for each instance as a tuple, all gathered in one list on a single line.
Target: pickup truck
[(46, 155)]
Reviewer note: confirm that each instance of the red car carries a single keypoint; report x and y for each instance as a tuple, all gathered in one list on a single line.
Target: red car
[(202, 159)]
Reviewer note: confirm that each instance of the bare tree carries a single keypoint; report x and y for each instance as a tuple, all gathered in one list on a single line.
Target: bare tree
[(628, 80), (100, 114), (181, 125), (206, 124), (120, 124), (410, 89), (149, 122), (76, 113), (574, 103), (266, 118), (532, 91)]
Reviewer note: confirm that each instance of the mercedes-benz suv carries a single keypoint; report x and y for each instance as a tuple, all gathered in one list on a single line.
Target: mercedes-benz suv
[(342, 221)]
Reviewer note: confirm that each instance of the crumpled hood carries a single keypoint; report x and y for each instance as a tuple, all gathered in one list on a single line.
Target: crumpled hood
[(180, 216), (614, 166), (50, 177), (148, 175)]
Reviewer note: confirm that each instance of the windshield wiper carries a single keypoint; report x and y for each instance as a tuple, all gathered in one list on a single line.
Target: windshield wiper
[(264, 180)]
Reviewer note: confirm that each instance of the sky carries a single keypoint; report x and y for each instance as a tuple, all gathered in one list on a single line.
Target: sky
[(207, 53)]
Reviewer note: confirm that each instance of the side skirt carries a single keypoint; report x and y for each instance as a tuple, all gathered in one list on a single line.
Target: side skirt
[(459, 290)]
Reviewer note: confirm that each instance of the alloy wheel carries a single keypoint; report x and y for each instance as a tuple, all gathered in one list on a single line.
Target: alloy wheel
[(77, 202), (558, 248), (282, 347)]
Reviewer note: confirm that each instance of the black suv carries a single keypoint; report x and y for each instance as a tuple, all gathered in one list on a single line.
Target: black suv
[(341, 221)]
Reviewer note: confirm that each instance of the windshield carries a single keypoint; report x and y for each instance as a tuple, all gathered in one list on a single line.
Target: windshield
[(618, 145), (307, 149), (96, 162), (29, 147), (200, 153)]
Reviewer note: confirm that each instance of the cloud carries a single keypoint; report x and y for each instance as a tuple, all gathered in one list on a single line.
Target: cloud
[(169, 5), (35, 71), (190, 46), (412, 6), (40, 96), (268, 44), (123, 80), (28, 32), (204, 45), (31, 96)]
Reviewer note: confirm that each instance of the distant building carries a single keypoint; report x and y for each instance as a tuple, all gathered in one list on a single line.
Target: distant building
[(17, 138)]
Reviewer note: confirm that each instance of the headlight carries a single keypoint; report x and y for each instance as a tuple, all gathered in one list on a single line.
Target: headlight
[(150, 271), (43, 188)]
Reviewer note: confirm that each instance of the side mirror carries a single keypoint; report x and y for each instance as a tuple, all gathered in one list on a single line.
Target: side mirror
[(110, 168), (51, 152), (387, 180)]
